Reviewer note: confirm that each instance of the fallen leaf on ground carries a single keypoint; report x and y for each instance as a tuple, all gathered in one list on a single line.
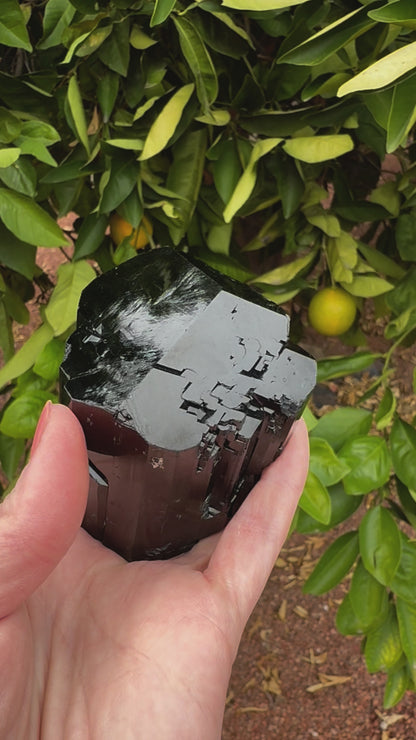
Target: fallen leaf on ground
[(326, 681)]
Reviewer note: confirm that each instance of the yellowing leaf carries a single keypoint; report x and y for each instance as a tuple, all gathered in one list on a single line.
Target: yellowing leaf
[(247, 181), (282, 275), (383, 72), (318, 148), (61, 311), (165, 125)]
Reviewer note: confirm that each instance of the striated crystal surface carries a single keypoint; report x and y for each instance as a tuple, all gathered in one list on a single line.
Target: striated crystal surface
[(186, 387)]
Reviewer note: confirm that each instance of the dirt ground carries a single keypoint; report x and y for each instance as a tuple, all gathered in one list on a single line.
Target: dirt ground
[(295, 677)]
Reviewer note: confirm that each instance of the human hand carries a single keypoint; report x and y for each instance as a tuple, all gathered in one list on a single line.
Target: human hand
[(93, 647)]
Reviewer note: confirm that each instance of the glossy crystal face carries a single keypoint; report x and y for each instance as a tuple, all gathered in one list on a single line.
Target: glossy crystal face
[(186, 387)]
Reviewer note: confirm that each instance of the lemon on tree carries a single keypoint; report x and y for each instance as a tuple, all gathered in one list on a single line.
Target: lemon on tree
[(332, 311), (120, 229)]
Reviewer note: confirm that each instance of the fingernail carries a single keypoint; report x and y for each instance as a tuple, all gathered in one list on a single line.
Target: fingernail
[(43, 420)]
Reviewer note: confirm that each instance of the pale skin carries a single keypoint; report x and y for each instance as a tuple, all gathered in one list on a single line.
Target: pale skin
[(92, 647)]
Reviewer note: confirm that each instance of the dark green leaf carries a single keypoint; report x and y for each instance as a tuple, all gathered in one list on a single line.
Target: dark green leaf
[(6, 333), (13, 30), (386, 409), (406, 236), (368, 598), (334, 564), (397, 12), (337, 367), (77, 110), (347, 622), (122, 179), (21, 415), (20, 176), (185, 177), (406, 614), (28, 221), (11, 452), (383, 646), (115, 51), (15, 307), (396, 685), (199, 61), (107, 90), (226, 169), (403, 583), (404, 294), (401, 112), (162, 10), (338, 426), (380, 544), (403, 451), (26, 356), (407, 502), (90, 235), (17, 255), (380, 261), (57, 17)]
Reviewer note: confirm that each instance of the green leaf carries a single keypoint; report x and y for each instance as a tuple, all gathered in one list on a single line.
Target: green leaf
[(338, 426), (401, 113), (226, 169), (386, 195), (26, 355), (346, 621), (163, 128), (315, 499), (49, 360), (247, 181), (219, 237), (161, 11), (6, 333), (313, 149), (94, 40), (285, 273), (403, 452), (199, 61), (342, 256), (365, 286), (56, 19), (90, 235), (328, 40), (386, 409), (8, 156), (28, 221), (121, 180), (399, 11), (61, 311), (337, 367), (396, 685), (21, 416), (115, 51), (406, 236), (368, 598), (21, 176), (369, 460), (380, 544), (185, 177), (78, 114), (323, 220), (13, 30), (383, 647), (11, 452), (334, 565), (380, 262), (107, 90), (17, 255), (261, 5), (342, 507), (403, 583), (407, 502), (406, 614), (324, 463), (383, 72), (139, 39), (404, 294)]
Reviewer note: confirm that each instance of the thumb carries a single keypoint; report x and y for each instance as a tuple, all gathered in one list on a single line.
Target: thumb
[(40, 518)]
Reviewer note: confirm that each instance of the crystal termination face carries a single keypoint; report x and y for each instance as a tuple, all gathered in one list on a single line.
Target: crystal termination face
[(186, 387)]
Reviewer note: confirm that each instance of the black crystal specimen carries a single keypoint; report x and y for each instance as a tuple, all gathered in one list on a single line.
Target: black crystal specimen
[(186, 387)]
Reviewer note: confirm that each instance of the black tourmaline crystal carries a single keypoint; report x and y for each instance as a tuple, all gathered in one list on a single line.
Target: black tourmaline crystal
[(186, 387)]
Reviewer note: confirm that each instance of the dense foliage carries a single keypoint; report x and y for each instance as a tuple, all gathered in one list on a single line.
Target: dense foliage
[(275, 141)]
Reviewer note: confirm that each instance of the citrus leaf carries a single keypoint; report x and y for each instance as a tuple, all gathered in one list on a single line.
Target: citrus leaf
[(61, 311), (338, 426), (247, 181), (285, 273), (9, 156), (28, 221), (402, 111), (324, 463), (403, 583), (380, 544), (406, 615), (57, 17), (77, 110), (380, 261), (26, 355), (396, 685), (11, 451), (199, 61), (383, 646), (346, 621), (315, 499), (21, 416), (261, 4), (386, 409), (369, 461), (90, 235), (185, 177), (313, 149), (334, 564), (49, 360), (368, 598), (383, 72), (163, 128), (400, 11), (162, 10), (403, 451), (13, 30), (342, 256), (337, 367), (364, 286)]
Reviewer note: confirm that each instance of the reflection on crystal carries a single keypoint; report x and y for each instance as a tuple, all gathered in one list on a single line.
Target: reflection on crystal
[(186, 387)]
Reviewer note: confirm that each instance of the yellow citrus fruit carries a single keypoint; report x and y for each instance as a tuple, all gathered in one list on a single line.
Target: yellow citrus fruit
[(332, 311), (120, 229)]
